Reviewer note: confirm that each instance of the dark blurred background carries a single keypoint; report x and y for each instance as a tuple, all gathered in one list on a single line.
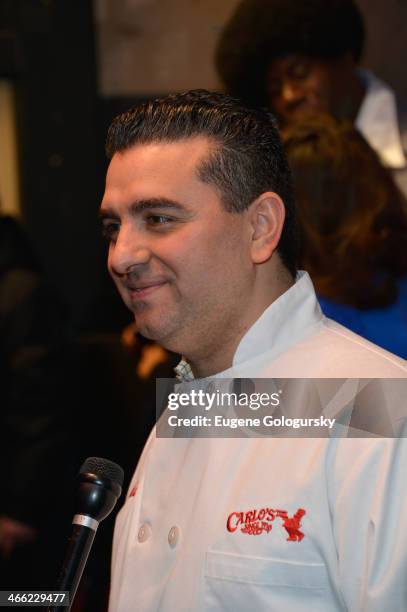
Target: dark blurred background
[(66, 68)]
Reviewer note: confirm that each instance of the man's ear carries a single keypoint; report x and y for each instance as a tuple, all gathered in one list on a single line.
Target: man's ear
[(267, 214)]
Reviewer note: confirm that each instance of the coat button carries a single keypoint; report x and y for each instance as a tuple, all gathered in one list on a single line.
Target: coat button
[(173, 536), (144, 533)]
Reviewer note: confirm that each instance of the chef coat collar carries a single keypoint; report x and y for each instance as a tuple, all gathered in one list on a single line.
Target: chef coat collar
[(281, 325)]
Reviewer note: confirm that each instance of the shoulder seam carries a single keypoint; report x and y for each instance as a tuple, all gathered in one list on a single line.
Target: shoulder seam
[(369, 348)]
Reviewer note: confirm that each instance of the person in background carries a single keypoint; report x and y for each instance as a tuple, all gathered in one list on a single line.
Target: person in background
[(354, 230), (36, 423), (296, 57)]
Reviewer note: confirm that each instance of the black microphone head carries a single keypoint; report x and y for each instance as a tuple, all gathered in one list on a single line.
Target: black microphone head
[(103, 468), (100, 485)]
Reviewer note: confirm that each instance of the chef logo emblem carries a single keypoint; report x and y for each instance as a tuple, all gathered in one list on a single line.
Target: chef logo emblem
[(256, 522)]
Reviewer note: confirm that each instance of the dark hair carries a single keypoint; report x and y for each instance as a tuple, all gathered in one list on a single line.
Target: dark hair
[(352, 215), (260, 31), (247, 159)]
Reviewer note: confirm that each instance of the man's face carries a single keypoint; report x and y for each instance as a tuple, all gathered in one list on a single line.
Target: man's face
[(180, 261), (297, 84)]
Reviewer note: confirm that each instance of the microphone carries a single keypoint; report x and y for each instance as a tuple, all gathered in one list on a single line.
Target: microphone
[(100, 486)]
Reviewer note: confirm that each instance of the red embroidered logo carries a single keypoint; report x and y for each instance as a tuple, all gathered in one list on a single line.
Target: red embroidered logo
[(255, 522), (292, 525), (133, 491)]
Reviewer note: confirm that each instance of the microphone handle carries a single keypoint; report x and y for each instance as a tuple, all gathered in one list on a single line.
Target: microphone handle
[(79, 545)]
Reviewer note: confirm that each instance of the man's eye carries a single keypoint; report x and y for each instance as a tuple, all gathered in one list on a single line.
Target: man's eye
[(158, 219), (300, 70), (110, 231)]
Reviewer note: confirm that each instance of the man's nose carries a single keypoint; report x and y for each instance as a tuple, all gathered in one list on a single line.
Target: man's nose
[(129, 250), (292, 93)]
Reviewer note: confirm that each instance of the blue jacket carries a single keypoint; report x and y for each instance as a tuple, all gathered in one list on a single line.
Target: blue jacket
[(386, 327)]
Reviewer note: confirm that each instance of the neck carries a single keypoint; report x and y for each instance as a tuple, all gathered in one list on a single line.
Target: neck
[(219, 358)]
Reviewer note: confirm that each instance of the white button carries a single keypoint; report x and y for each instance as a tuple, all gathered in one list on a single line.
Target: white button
[(144, 533), (173, 536)]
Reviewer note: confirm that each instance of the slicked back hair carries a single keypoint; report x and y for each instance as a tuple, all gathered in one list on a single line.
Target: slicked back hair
[(246, 160)]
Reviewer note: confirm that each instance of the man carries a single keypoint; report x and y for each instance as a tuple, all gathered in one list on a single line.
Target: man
[(299, 57), (199, 214)]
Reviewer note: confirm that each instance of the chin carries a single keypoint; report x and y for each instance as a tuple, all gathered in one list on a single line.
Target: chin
[(147, 332), (162, 325), (148, 329), (168, 341)]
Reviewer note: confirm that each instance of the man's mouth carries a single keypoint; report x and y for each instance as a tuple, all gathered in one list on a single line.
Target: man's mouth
[(141, 290)]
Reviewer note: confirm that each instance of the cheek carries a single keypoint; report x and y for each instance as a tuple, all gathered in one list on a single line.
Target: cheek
[(197, 263), (224, 259), (320, 91)]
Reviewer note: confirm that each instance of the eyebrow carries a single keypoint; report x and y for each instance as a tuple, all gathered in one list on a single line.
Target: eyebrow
[(141, 205)]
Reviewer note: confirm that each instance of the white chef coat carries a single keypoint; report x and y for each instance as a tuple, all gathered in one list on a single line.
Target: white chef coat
[(173, 550)]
